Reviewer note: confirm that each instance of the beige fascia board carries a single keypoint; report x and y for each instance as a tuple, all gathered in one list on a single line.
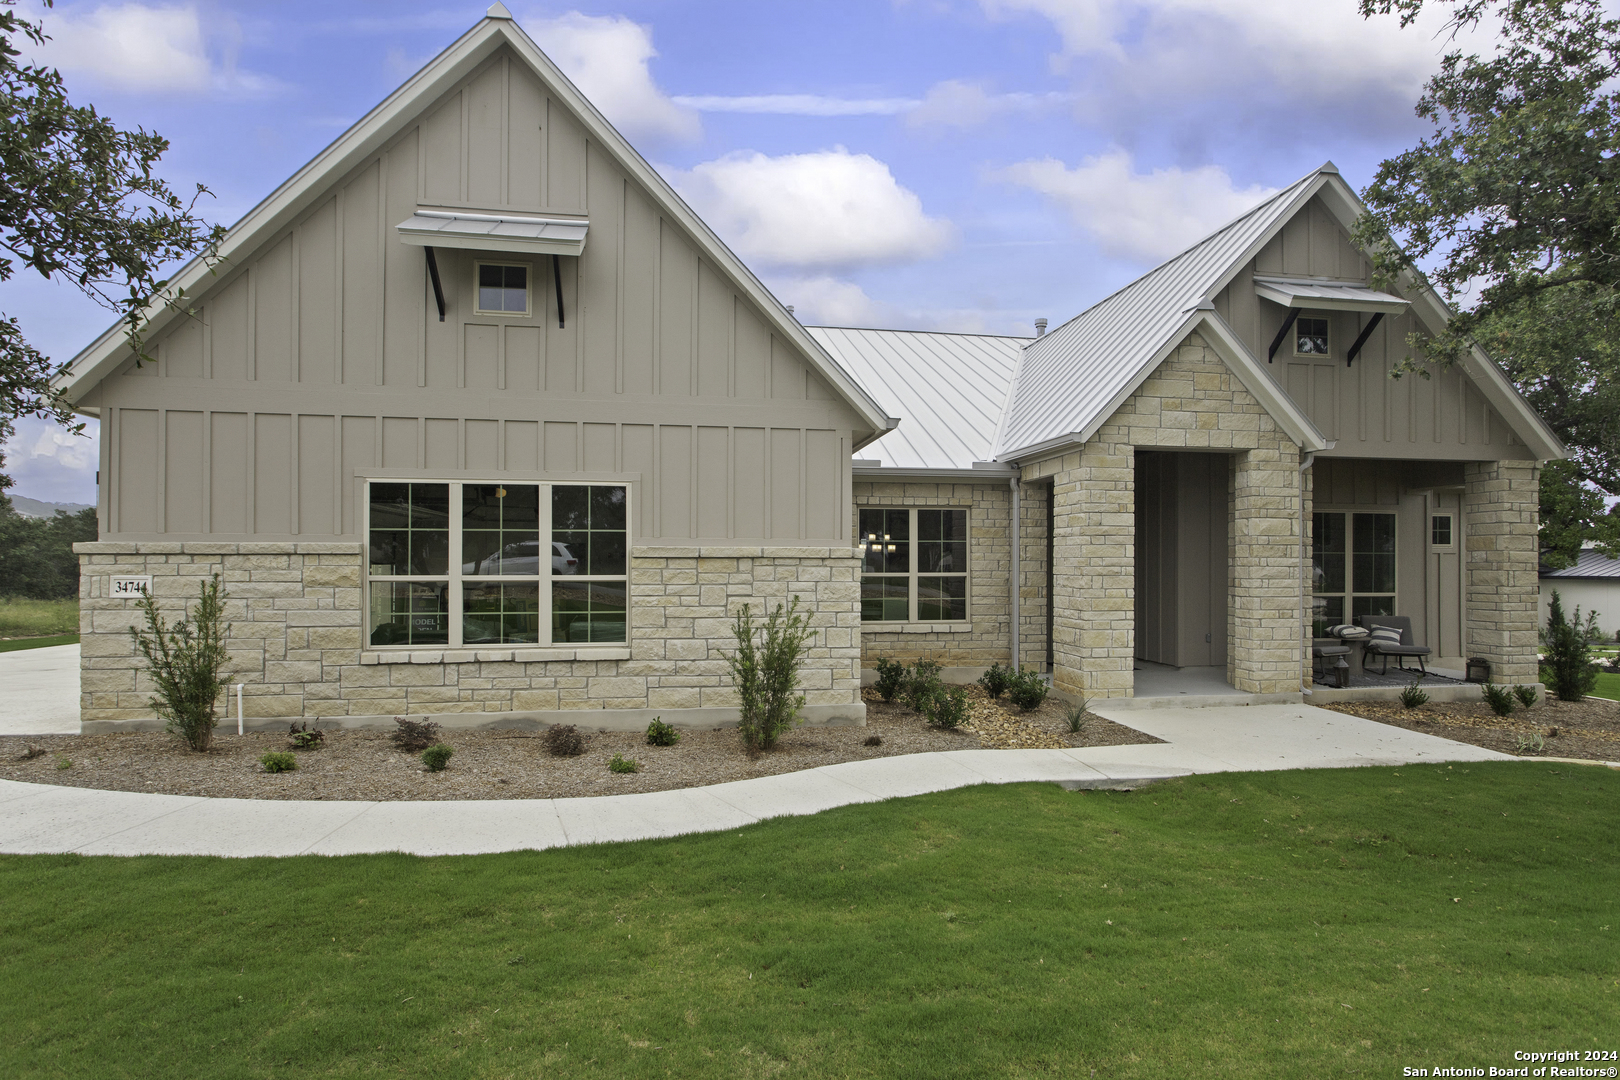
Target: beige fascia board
[(879, 474), (508, 245)]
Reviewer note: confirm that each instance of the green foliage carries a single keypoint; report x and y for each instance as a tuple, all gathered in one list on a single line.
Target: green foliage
[(949, 708), (36, 554), (414, 736), (436, 757), (620, 764), (277, 761), (563, 740), (767, 673), (996, 680), (1075, 713), (891, 678), (1526, 695), (662, 734), (64, 763), (303, 737), (1499, 698), (185, 661), (923, 685), (20, 617), (1414, 695), (1028, 690), (1568, 670), (1529, 744)]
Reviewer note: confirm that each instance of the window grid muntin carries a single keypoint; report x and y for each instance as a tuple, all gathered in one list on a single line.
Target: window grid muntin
[(454, 604), (1330, 606), (1312, 336), (896, 583), (501, 294)]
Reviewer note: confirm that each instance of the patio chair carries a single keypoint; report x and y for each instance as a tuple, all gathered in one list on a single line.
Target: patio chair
[(1391, 635)]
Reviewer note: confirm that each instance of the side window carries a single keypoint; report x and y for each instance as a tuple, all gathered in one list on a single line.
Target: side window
[(503, 289), (1310, 337), (914, 565)]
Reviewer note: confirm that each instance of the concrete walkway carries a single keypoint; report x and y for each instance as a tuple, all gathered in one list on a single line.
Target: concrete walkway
[(39, 691), (39, 818)]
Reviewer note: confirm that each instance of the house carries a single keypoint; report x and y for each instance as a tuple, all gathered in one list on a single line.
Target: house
[(1592, 584), (478, 335)]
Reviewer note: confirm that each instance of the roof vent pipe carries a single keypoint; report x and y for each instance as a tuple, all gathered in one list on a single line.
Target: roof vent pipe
[(1040, 327)]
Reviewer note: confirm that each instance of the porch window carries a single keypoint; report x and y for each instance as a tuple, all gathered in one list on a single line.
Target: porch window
[(468, 564), (914, 565), (1310, 337), (1352, 567)]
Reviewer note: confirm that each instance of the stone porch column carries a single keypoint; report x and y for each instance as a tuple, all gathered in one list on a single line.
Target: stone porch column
[(1094, 580), (1263, 656), (1501, 508)]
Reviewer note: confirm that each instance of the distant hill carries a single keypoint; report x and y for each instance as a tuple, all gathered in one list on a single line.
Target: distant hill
[(36, 509)]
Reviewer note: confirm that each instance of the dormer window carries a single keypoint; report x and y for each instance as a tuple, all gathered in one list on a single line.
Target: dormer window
[(503, 289), (1310, 337)]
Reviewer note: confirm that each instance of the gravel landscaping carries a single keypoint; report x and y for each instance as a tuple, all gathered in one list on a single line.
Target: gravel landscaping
[(1588, 729), (365, 765)]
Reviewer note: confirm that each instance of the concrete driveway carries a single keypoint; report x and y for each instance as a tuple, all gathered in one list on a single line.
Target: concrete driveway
[(39, 691)]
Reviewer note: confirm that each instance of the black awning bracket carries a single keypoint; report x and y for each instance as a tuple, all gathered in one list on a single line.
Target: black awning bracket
[(1288, 324), (1361, 339), (556, 277), (438, 286)]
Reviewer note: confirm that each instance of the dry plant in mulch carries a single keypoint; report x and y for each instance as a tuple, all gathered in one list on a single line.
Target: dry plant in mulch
[(1572, 729), (366, 765), (1001, 725)]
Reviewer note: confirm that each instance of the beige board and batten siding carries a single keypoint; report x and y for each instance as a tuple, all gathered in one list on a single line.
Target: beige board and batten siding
[(321, 357), (1359, 406)]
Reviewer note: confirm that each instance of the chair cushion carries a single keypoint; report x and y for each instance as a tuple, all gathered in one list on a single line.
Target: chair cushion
[(1385, 638), (1347, 632), (1400, 650)]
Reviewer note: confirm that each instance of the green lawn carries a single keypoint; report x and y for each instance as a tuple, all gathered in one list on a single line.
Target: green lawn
[(1608, 686), (15, 644), (20, 618), (1303, 924)]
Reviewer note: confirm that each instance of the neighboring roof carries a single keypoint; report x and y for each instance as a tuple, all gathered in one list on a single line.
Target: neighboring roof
[(300, 192), (1326, 295), (1590, 564), (489, 232), (949, 388)]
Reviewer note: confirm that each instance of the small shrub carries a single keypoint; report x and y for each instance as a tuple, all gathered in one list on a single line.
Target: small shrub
[(185, 662), (304, 737), (1569, 671), (1028, 690), (1528, 744), (873, 740), (63, 762), (1498, 698), (564, 740), (923, 685), (1075, 713), (1552, 733), (950, 708), (414, 736), (1414, 695), (891, 678), (620, 764), (1526, 695), (662, 734), (436, 757), (767, 673), (278, 761), (996, 680)]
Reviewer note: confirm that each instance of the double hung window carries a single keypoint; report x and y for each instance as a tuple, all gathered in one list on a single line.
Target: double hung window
[(468, 564), (914, 565), (1352, 567)]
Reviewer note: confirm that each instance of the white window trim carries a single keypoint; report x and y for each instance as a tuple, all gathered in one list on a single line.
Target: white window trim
[(1350, 592), (1443, 548), (1318, 317), (528, 291), (539, 650), (912, 624)]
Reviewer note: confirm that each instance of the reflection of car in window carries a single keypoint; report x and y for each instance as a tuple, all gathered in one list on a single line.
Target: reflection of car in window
[(523, 558)]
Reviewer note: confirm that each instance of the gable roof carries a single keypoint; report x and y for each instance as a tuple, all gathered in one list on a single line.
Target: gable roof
[(1591, 563), (949, 388), (396, 112), (1070, 381)]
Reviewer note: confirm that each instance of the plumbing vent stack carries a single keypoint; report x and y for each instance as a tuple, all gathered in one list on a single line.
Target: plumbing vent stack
[(1040, 327)]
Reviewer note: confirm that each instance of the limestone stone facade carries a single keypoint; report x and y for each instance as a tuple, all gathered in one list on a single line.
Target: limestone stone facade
[(1501, 504), (296, 640)]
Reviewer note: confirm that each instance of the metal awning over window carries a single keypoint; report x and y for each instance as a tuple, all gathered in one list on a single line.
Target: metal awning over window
[(1323, 295), (488, 232)]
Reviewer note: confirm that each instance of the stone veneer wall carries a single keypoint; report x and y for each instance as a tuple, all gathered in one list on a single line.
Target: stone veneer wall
[(1502, 508), (296, 640), (1193, 402)]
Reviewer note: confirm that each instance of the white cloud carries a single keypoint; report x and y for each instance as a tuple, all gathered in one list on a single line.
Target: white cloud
[(143, 48), (798, 105), (819, 211), (607, 58), (958, 104), (1143, 217), (828, 301), (50, 464)]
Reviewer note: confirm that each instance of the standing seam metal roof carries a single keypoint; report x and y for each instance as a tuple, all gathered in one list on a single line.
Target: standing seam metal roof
[(949, 389), (1590, 564)]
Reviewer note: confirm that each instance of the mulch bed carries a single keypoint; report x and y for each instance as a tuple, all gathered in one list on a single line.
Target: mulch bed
[(365, 765), (1572, 729)]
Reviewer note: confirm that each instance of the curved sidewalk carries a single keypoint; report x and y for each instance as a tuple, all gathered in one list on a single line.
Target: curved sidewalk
[(37, 818)]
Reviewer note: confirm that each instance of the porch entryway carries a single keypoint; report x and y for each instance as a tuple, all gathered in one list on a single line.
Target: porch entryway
[(1182, 522)]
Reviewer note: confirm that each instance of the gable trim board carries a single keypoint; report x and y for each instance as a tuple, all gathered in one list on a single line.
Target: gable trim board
[(373, 131)]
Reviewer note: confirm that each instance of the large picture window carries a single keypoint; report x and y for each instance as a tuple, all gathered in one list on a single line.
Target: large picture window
[(470, 564), (1352, 567), (914, 565)]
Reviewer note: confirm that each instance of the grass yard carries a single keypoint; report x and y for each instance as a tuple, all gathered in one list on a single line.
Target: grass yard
[(1608, 686), (16, 644), (1303, 924), (23, 618)]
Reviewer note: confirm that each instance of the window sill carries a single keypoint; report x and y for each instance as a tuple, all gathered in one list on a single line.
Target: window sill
[(917, 627), (482, 656)]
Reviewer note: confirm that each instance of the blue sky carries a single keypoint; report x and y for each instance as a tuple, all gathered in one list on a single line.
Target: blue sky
[(940, 164)]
